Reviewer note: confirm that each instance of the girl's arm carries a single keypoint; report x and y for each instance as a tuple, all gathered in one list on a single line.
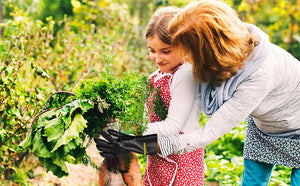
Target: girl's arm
[(183, 91)]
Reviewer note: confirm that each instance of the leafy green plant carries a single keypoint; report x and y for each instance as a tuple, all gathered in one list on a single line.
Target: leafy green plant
[(125, 96), (156, 103), (56, 136), (58, 133), (224, 157), (35, 63)]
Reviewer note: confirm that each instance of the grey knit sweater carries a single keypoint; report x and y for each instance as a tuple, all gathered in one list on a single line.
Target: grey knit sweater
[(271, 95)]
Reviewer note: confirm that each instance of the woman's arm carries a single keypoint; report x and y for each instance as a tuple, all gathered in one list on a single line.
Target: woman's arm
[(249, 94)]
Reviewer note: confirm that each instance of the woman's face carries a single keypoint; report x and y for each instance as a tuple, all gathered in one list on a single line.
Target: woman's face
[(164, 55)]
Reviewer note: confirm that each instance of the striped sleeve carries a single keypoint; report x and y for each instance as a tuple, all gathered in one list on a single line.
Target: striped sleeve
[(177, 144), (165, 146)]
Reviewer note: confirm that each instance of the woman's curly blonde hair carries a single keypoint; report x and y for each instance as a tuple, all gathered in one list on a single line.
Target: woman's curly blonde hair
[(215, 39)]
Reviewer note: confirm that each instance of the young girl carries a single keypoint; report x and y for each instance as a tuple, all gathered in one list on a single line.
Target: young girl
[(179, 91)]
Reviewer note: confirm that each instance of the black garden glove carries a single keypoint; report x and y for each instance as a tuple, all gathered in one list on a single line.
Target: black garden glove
[(119, 143)]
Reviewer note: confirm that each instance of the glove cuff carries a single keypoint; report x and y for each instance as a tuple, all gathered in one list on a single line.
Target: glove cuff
[(150, 147)]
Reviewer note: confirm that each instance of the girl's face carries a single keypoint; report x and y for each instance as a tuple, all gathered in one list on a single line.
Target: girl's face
[(164, 55)]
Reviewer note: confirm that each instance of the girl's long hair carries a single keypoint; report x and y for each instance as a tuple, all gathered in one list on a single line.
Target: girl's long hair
[(215, 39)]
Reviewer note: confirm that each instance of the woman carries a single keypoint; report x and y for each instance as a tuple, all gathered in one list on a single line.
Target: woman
[(242, 74)]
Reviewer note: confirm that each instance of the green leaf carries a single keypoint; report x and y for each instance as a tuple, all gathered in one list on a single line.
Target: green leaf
[(61, 163), (58, 99), (39, 148), (39, 71), (71, 159), (26, 143), (44, 118), (71, 145), (70, 110), (3, 133), (85, 105), (54, 129), (78, 153), (77, 125), (49, 165)]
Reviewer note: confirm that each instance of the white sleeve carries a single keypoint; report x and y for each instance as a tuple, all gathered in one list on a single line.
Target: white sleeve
[(183, 90)]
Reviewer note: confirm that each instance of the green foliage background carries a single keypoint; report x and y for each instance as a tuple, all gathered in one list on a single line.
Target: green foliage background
[(48, 46)]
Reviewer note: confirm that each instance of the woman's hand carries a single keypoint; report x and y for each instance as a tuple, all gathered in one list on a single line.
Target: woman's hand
[(119, 143)]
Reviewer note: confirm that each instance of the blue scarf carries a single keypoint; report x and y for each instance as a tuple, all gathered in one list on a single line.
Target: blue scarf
[(212, 98)]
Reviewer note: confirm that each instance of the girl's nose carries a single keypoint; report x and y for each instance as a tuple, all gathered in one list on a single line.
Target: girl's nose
[(158, 58)]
